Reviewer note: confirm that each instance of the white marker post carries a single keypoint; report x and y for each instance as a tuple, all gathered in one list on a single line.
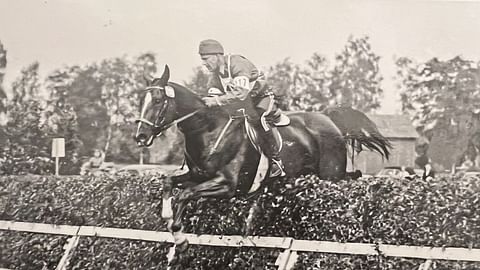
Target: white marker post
[(58, 151)]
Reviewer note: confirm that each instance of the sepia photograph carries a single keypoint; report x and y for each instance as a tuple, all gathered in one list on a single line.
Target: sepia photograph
[(268, 134)]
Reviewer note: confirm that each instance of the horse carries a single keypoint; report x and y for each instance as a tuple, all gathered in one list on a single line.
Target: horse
[(222, 162)]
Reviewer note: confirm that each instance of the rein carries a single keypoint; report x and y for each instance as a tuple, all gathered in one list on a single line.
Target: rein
[(160, 129), (176, 121)]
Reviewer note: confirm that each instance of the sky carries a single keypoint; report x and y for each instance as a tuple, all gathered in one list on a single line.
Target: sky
[(68, 32)]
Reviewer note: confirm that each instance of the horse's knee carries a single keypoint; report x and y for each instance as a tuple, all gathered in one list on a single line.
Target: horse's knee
[(230, 193), (176, 226)]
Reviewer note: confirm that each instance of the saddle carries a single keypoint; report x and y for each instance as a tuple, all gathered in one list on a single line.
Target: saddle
[(264, 163)]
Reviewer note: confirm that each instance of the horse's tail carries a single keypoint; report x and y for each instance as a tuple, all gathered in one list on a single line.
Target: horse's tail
[(359, 131)]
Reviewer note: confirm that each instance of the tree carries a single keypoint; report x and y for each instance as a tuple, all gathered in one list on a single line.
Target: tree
[(62, 122), (75, 86), (198, 81), (443, 98), (301, 87), (356, 79), (3, 95), (353, 81), (27, 86), (283, 77), (26, 149), (104, 96)]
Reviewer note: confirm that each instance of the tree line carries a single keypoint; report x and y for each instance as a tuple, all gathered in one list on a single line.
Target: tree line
[(93, 106)]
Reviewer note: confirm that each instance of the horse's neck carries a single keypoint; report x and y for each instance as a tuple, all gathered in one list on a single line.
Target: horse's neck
[(203, 130), (204, 123), (205, 136)]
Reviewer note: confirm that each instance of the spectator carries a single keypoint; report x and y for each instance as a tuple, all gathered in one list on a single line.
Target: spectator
[(94, 163), (467, 163)]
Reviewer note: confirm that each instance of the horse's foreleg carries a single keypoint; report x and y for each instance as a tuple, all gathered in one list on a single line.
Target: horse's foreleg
[(167, 197), (168, 184)]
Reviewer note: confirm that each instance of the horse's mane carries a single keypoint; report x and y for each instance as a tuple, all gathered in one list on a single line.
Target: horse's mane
[(185, 89), (208, 115)]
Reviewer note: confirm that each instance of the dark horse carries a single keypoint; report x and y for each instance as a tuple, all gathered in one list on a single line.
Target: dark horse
[(312, 143)]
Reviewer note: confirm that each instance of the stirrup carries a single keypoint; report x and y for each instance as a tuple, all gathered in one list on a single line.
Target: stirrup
[(282, 121), (276, 168)]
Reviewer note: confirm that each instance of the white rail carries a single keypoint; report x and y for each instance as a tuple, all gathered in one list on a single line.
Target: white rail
[(290, 245)]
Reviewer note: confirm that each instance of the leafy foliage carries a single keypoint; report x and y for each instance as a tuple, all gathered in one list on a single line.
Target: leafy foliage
[(29, 251), (198, 81), (301, 88), (27, 86), (98, 253), (353, 81), (3, 95), (104, 97), (356, 78), (27, 147), (442, 212), (317, 261), (443, 98), (31, 124)]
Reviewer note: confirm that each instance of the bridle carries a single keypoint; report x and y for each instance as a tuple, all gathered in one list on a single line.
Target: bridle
[(159, 124)]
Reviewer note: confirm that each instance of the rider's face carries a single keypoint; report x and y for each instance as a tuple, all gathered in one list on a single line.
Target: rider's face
[(211, 61)]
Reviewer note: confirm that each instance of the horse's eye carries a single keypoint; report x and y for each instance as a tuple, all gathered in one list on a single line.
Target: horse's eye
[(158, 100)]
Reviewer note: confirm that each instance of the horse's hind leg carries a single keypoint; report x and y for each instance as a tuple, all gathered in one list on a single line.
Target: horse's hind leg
[(216, 187)]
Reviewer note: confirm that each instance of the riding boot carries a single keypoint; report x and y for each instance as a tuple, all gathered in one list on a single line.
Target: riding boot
[(272, 151)]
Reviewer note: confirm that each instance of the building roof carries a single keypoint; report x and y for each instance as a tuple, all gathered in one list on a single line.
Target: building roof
[(394, 126)]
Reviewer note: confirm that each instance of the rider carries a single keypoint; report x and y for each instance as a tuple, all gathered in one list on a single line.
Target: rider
[(233, 78)]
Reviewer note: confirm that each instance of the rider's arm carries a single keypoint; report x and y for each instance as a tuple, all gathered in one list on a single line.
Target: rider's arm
[(238, 90), (243, 73)]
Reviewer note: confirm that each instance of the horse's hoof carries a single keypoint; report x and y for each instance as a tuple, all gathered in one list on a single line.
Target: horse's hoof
[(181, 241), (181, 247)]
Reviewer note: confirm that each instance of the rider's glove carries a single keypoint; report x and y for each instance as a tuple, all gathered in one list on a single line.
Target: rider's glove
[(210, 101)]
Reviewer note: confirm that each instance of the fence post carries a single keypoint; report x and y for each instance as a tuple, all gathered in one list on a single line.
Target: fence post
[(58, 151), (287, 259), (69, 247), (426, 265)]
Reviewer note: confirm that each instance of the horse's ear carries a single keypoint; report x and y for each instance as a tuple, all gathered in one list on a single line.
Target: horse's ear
[(165, 76)]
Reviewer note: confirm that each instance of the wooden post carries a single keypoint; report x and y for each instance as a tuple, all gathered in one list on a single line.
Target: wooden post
[(286, 260), (56, 166), (141, 156), (426, 265), (69, 248), (58, 151)]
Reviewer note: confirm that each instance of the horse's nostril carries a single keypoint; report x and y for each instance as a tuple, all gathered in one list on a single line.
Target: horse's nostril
[(141, 138)]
